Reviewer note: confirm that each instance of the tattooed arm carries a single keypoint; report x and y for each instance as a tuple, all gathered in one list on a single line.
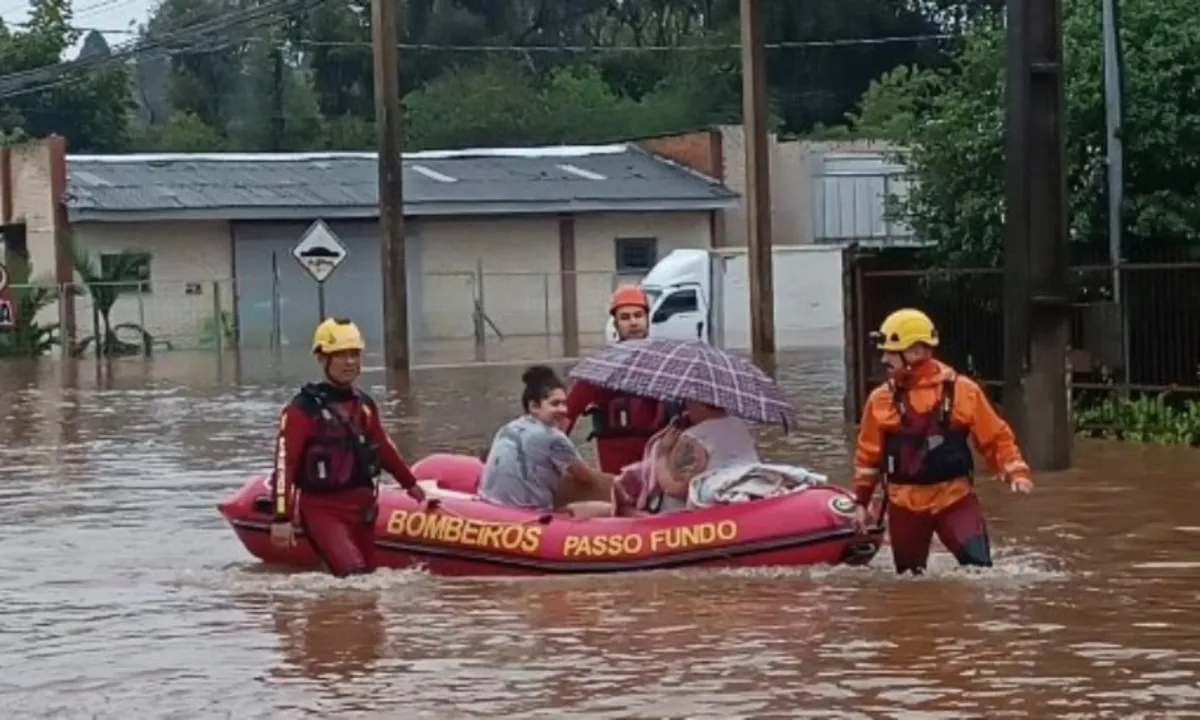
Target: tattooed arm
[(687, 460)]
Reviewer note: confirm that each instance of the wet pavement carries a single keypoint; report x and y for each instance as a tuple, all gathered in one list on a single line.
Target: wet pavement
[(123, 594)]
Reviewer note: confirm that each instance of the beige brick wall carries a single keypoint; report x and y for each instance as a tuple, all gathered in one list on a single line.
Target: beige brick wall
[(33, 205), (187, 260), (520, 258), (796, 167)]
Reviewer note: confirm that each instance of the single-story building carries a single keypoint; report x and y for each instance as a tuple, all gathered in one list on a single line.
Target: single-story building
[(494, 230)]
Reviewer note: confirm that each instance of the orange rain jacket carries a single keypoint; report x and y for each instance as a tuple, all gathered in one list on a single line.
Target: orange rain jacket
[(993, 438)]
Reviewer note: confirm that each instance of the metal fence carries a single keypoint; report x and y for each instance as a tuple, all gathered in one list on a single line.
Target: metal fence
[(454, 317), (1147, 343)]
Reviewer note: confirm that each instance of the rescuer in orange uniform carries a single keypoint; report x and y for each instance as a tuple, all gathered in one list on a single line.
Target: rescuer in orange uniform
[(328, 454), (914, 439), (621, 423)]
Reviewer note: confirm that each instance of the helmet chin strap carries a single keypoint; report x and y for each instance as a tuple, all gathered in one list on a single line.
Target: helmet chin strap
[(907, 368)]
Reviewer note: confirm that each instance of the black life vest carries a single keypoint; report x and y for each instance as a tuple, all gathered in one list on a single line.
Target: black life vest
[(628, 416), (926, 449), (340, 455)]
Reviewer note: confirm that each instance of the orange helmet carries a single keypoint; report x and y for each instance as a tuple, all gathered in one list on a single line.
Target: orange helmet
[(628, 295)]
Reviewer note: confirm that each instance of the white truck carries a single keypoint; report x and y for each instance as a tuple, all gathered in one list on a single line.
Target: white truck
[(705, 294)]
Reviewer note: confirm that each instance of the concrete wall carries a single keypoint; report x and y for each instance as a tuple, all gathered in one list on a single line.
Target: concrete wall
[(511, 264), (522, 293), (812, 197), (804, 202), (354, 290), (191, 277), (519, 258), (29, 190)]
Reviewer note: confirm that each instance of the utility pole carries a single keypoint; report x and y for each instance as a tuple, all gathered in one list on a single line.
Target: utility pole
[(758, 185), (1037, 306), (1113, 119), (277, 124), (391, 196)]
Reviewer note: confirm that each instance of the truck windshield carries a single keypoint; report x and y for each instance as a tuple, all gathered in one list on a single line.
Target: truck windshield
[(652, 295)]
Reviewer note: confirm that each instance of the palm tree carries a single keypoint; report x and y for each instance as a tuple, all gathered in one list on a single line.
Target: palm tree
[(29, 338), (105, 282)]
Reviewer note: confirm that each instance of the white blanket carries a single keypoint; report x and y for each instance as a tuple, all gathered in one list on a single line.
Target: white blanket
[(751, 481)]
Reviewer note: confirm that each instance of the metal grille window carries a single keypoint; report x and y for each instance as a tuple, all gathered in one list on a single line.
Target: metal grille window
[(636, 255)]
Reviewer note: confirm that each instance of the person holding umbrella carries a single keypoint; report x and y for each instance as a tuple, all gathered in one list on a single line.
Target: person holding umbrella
[(914, 439), (622, 423), (720, 392)]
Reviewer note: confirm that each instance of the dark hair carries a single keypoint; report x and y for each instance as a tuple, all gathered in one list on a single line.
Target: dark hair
[(540, 381)]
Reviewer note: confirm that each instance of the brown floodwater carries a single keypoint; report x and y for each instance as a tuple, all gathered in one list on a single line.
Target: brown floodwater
[(124, 595)]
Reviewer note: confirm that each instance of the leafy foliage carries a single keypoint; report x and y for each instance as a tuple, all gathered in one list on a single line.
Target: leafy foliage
[(90, 108), (105, 284), (301, 79), (1159, 419), (952, 122)]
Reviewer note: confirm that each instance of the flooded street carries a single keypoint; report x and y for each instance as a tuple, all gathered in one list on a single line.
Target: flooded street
[(123, 594)]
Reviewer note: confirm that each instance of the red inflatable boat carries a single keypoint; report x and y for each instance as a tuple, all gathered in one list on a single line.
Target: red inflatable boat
[(466, 536)]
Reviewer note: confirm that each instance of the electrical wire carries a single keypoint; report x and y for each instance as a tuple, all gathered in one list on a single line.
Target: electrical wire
[(192, 37), (200, 38)]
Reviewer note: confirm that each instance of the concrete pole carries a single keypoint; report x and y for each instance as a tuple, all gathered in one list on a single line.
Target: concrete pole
[(391, 194), (1037, 209), (1113, 118)]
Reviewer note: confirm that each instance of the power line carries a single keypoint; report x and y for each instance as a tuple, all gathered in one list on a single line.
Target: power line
[(610, 49), (195, 34), (588, 49), (199, 38)]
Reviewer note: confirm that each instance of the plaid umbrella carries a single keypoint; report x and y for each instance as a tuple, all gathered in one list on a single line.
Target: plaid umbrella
[(675, 370)]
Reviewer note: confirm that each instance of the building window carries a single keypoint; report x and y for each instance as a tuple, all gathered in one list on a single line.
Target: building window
[(636, 255), (130, 271)]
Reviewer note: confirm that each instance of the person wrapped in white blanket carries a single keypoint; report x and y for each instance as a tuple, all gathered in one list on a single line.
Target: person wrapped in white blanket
[(712, 460)]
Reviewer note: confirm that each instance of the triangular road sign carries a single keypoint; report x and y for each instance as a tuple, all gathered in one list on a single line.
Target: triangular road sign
[(320, 251)]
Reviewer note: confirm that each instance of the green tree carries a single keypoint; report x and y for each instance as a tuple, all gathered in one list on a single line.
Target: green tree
[(952, 123), (88, 103), (105, 282), (276, 108), (497, 105), (204, 69), (183, 132), (505, 103)]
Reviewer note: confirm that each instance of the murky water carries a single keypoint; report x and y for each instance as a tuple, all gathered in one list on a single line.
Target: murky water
[(123, 595)]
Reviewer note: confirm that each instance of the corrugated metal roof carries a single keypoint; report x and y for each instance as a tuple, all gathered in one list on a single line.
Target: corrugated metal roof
[(275, 186)]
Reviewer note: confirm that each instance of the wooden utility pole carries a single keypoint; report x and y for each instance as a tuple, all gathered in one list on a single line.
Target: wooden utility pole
[(758, 184), (391, 196), (1037, 306)]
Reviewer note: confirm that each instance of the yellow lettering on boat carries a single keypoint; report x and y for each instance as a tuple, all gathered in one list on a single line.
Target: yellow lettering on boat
[(477, 534), (684, 537), (689, 537), (603, 545)]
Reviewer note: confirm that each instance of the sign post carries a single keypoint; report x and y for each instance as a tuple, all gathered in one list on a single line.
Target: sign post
[(8, 313), (320, 252)]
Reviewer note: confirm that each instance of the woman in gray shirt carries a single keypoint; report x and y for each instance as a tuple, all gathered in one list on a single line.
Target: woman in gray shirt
[(531, 457)]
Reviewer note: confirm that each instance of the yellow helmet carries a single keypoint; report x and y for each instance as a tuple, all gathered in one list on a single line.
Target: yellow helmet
[(903, 329), (337, 335)]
